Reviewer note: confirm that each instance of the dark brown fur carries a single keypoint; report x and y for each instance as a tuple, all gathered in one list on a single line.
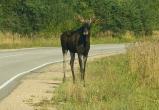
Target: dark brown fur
[(76, 41)]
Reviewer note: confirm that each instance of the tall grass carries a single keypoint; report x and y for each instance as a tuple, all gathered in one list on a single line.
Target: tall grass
[(107, 37), (123, 82), (144, 62), (9, 40)]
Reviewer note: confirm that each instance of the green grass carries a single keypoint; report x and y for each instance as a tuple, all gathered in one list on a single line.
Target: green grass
[(123, 82)]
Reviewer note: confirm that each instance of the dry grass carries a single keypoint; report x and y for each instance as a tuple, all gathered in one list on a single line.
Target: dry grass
[(10, 41), (107, 37), (144, 61)]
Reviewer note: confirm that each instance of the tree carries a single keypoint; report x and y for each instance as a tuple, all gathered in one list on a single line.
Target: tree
[(55, 16)]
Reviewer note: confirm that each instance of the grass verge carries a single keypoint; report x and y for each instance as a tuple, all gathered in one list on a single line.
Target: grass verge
[(123, 82), (12, 41)]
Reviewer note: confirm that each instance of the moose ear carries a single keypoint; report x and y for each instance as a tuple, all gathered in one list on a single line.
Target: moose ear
[(80, 19)]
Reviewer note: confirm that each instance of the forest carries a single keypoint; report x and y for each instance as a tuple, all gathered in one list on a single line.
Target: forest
[(31, 17)]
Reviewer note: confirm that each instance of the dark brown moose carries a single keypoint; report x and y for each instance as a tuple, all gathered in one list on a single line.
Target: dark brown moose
[(77, 41)]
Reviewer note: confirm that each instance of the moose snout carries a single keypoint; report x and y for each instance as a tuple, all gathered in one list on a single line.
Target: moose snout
[(85, 33)]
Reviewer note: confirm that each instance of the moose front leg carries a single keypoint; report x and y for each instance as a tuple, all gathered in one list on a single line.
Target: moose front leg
[(72, 65), (80, 58), (84, 61)]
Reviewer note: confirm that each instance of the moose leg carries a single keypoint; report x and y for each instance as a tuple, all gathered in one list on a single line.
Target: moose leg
[(64, 64), (84, 61), (81, 65), (72, 65)]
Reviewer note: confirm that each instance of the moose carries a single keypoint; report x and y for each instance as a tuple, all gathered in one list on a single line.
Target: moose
[(77, 41)]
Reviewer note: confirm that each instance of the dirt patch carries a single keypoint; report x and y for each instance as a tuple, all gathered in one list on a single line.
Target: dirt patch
[(37, 88)]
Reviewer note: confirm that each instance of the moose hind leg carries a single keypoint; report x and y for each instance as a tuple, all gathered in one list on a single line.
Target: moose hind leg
[(72, 65), (64, 64)]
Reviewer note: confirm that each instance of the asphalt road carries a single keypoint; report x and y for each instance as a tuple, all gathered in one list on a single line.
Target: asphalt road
[(14, 64)]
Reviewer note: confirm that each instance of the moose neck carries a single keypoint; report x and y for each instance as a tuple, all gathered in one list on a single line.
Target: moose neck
[(85, 39), (85, 32)]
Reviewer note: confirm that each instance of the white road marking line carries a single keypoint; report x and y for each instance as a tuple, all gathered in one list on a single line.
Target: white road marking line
[(24, 73)]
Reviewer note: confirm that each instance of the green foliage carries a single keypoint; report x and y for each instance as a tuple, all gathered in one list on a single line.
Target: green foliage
[(56, 16)]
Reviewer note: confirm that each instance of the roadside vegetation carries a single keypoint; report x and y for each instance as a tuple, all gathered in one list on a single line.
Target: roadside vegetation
[(12, 41), (124, 82)]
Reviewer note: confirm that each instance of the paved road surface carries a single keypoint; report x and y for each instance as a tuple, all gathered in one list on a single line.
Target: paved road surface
[(14, 64)]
